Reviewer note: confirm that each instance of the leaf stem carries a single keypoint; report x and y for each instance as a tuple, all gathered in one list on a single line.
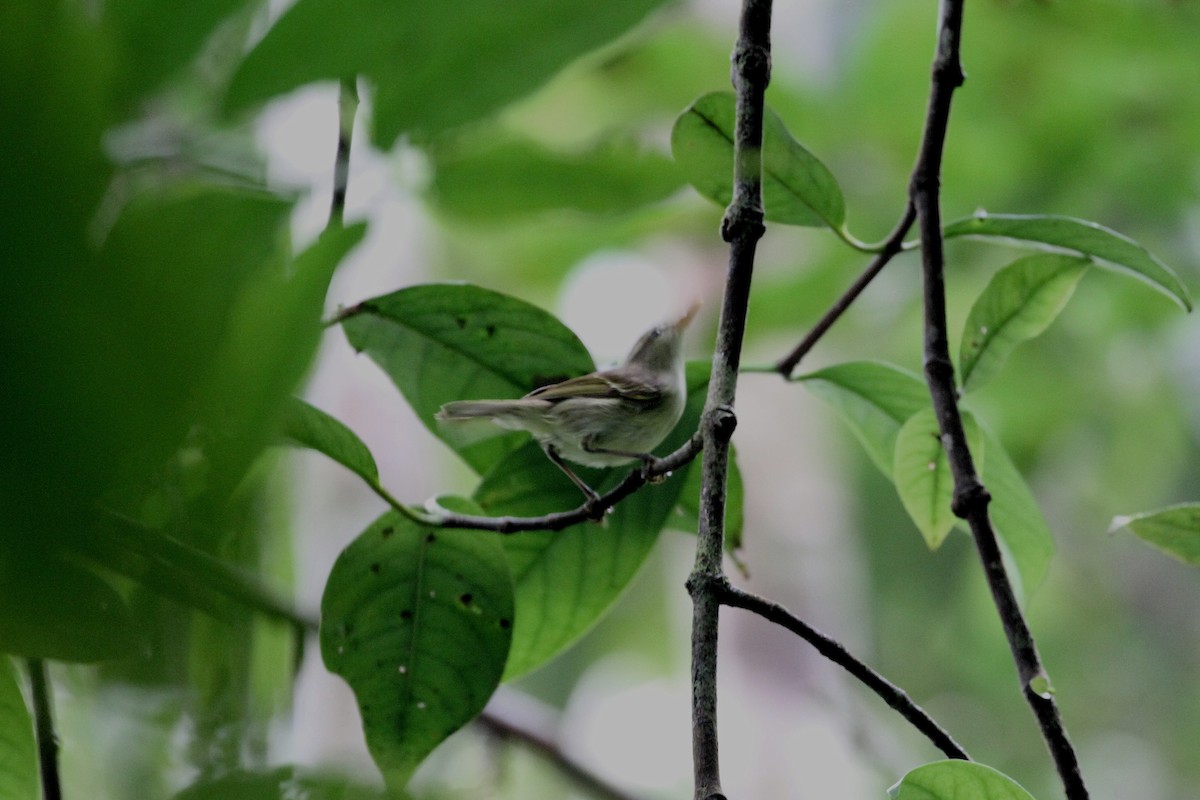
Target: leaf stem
[(970, 499), (47, 739)]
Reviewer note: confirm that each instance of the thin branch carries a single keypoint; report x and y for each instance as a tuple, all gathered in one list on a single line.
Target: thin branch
[(970, 499), (891, 246), (741, 227), (833, 650), (533, 726), (557, 520), (347, 108), (47, 739)]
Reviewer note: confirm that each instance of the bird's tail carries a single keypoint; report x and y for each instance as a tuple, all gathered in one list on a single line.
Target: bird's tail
[(486, 409)]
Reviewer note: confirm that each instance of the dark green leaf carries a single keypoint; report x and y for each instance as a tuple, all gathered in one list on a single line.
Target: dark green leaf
[(1174, 530), (444, 342), (519, 178), (435, 65), (1087, 238), (312, 428), (1018, 304), (418, 621), (922, 474), (18, 753), (55, 609), (957, 780), (875, 399), (687, 514), (797, 188)]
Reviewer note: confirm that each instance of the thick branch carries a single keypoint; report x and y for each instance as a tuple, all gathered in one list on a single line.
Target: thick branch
[(833, 650), (971, 499), (742, 227), (891, 247), (47, 740)]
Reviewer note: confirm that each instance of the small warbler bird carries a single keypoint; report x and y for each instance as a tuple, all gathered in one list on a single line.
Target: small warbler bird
[(605, 418)]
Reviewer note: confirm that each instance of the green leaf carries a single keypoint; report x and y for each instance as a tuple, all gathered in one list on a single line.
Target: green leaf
[(311, 427), (500, 181), (18, 753), (1018, 304), (875, 399), (566, 580), (1016, 517), (686, 516), (957, 780), (922, 473), (797, 188), (1175, 530), (435, 65), (418, 621), (56, 609), (444, 342), (1087, 238)]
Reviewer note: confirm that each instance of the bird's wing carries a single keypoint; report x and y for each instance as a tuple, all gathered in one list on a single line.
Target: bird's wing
[(602, 385)]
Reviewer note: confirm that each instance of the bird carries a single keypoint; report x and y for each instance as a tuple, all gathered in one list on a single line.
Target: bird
[(605, 418)]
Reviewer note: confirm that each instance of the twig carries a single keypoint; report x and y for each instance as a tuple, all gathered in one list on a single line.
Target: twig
[(347, 108), (833, 650), (890, 248), (533, 726), (970, 499), (741, 227), (47, 740), (557, 520)]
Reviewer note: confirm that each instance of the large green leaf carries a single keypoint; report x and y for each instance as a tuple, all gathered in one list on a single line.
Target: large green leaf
[(687, 514), (18, 753), (435, 64), (1016, 517), (312, 428), (499, 181), (418, 621), (566, 580), (443, 342), (874, 398), (922, 473), (957, 780), (1087, 238), (1018, 304), (797, 188), (1175, 530)]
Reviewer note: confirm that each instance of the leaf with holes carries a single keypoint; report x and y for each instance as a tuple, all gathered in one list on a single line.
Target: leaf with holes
[(444, 342), (921, 471), (418, 621), (310, 427), (566, 580), (1174, 530), (874, 398), (1018, 304), (957, 780), (797, 188), (1108, 247)]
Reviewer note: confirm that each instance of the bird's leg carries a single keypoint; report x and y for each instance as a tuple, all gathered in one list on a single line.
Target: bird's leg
[(592, 498), (652, 469)]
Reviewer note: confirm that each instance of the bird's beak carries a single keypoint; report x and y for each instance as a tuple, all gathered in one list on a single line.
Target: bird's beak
[(683, 321)]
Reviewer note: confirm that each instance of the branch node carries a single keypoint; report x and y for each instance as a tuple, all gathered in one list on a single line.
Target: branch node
[(750, 62), (722, 422), (969, 498), (743, 221), (714, 584)]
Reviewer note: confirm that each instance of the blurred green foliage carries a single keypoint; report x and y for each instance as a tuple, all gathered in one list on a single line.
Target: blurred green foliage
[(156, 319)]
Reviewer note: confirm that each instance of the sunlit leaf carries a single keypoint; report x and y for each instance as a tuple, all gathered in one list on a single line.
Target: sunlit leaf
[(797, 188), (1018, 304), (875, 399), (1174, 530), (18, 753), (435, 65), (1108, 247), (444, 342), (418, 621), (957, 780), (566, 580), (311, 427), (499, 181), (922, 474)]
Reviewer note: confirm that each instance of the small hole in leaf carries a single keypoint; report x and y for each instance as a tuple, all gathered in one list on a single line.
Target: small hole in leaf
[(465, 598), (461, 322), (505, 622), (490, 330), (406, 614), (431, 538), (388, 531), (376, 567)]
